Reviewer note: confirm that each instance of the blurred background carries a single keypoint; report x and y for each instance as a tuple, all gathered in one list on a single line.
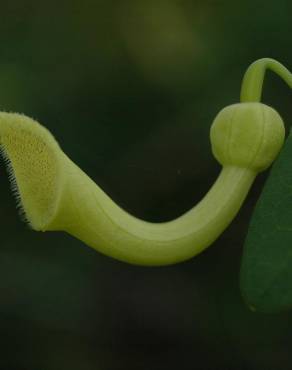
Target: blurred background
[(129, 89)]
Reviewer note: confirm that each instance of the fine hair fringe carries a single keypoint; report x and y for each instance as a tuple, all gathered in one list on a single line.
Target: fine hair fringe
[(14, 186)]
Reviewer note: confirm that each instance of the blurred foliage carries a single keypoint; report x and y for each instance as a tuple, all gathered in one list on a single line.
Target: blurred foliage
[(130, 89)]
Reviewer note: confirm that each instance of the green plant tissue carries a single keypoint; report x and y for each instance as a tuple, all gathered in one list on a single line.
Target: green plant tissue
[(266, 270)]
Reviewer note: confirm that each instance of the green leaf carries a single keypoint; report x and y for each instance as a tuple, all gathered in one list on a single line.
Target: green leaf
[(266, 271)]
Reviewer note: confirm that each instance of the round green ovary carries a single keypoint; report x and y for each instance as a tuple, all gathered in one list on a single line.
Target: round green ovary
[(247, 135)]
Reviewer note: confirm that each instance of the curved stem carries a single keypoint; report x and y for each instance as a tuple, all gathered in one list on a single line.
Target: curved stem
[(90, 215), (252, 84)]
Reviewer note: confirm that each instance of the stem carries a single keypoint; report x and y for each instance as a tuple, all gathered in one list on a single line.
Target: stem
[(252, 84), (91, 216)]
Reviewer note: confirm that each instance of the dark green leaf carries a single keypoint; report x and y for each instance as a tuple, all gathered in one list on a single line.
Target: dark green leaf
[(266, 272)]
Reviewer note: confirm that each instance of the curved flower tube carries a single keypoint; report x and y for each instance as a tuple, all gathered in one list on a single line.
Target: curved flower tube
[(53, 193)]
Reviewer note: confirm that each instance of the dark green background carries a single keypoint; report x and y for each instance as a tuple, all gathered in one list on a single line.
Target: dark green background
[(129, 89)]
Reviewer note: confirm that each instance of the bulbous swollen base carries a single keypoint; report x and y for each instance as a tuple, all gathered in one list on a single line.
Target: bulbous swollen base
[(248, 135)]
